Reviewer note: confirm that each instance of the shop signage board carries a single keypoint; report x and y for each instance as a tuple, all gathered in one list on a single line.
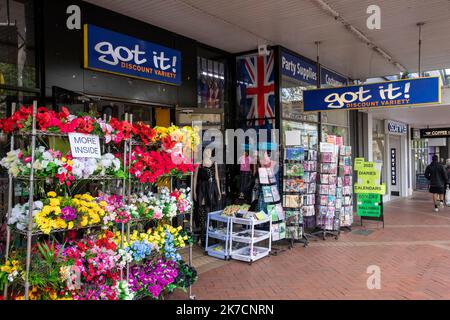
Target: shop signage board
[(369, 190), (116, 53), (400, 93), (435, 133), (393, 166), (84, 145), (359, 162), (298, 69), (369, 176), (369, 205), (331, 78), (395, 127)]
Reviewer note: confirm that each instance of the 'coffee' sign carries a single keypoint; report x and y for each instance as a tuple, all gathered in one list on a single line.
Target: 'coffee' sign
[(84, 145), (400, 93), (435, 133)]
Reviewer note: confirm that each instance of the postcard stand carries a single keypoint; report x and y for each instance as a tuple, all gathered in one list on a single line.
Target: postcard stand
[(270, 202), (344, 197), (293, 191), (309, 196), (327, 217)]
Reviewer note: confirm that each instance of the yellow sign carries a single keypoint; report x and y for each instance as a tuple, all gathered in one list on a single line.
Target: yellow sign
[(359, 162), (368, 176), (372, 188)]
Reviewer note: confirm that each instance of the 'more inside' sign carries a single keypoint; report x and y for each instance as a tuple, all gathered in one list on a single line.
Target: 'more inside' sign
[(84, 145)]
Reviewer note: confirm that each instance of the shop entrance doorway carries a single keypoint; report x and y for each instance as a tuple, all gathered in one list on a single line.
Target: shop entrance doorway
[(147, 112), (395, 165)]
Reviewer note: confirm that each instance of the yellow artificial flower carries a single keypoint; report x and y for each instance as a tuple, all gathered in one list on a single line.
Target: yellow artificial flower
[(54, 202), (70, 226), (46, 210), (51, 194), (84, 221)]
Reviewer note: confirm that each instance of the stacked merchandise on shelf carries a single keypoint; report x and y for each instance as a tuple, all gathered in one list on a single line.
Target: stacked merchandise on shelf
[(327, 217), (271, 201), (240, 233), (344, 191), (99, 205), (309, 197), (293, 191)]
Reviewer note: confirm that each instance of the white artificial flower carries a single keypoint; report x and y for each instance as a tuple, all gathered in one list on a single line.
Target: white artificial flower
[(45, 163), (116, 164), (47, 156), (77, 168), (37, 165), (90, 166)]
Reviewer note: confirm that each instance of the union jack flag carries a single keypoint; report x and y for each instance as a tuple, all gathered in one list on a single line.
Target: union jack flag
[(257, 90)]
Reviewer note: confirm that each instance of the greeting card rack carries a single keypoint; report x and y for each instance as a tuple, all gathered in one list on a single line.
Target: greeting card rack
[(309, 196), (270, 202), (344, 201), (327, 217), (293, 191)]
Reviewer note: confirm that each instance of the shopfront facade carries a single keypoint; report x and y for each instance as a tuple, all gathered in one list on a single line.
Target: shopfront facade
[(57, 73)]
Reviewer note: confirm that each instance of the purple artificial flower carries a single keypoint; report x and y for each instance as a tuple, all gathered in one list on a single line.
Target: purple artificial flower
[(68, 213)]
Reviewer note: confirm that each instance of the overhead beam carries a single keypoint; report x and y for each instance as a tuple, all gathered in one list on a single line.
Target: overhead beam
[(359, 34)]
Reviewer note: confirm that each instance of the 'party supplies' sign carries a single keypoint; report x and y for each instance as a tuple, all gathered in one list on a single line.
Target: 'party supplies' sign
[(113, 52), (400, 93), (84, 145), (297, 68)]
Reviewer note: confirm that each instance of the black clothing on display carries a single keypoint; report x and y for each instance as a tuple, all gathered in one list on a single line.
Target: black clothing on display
[(207, 196), (207, 192), (246, 184), (437, 176)]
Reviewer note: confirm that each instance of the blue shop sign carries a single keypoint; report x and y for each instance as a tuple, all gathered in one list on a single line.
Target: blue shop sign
[(296, 68), (116, 53), (400, 93), (332, 79)]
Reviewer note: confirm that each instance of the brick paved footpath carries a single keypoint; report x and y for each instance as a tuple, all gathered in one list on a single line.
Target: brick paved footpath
[(413, 253)]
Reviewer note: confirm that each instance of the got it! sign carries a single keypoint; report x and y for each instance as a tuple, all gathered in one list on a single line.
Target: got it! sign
[(400, 93), (84, 145), (116, 53)]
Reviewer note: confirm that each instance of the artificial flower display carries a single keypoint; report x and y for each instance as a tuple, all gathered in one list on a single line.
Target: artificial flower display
[(81, 262), (148, 166), (115, 207), (151, 278), (157, 237), (50, 163), (19, 214), (66, 212), (114, 130), (166, 204), (9, 272)]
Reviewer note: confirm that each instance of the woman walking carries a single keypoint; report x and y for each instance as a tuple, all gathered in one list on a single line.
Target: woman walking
[(437, 175)]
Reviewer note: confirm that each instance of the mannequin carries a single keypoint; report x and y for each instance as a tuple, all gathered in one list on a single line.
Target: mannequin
[(266, 161), (247, 170), (206, 191)]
